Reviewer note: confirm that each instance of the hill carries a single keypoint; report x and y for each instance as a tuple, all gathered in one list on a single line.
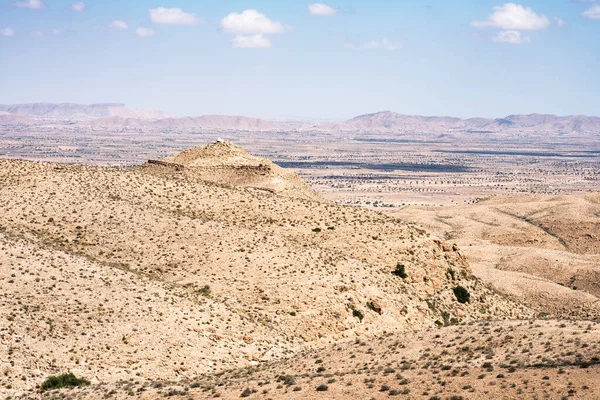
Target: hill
[(153, 273), (391, 121), (227, 164), (12, 119), (544, 250)]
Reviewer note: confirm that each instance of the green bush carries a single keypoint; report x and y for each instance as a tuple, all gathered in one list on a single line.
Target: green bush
[(317, 230), (400, 271), (289, 380), (61, 381), (462, 294), (371, 306), (322, 388), (205, 291)]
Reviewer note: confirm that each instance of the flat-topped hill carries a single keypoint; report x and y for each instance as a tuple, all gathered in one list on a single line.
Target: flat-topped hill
[(225, 163), (218, 154)]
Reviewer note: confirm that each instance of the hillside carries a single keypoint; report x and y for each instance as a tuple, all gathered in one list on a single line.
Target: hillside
[(478, 361), (154, 273), (544, 250), (13, 119)]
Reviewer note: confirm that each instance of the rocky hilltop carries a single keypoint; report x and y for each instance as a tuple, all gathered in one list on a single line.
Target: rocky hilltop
[(158, 273), (225, 163)]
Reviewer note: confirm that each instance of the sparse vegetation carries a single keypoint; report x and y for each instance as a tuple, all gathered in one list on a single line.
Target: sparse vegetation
[(322, 388), (205, 290), (400, 271), (357, 313), (63, 381), (136, 251), (462, 294)]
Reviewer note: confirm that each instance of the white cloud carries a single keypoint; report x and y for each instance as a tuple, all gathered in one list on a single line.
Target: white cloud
[(144, 32), (78, 6), (6, 32), (251, 41), (56, 31), (174, 16), (512, 37), (592, 13), (37, 34), (322, 9), (250, 22), (384, 43), (118, 25), (33, 4), (513, 16), (559, 22)]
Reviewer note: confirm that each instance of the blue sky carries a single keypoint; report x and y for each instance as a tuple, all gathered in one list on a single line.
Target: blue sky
[(297, 59)]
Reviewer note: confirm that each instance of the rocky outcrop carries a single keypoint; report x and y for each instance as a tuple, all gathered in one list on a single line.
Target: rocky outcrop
[(226, 163)]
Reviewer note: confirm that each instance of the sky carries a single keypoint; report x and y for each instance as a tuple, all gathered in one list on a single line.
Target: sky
[(304, 60)]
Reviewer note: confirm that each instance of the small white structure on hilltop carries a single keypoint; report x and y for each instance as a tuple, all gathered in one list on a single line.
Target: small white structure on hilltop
[(219, 140)]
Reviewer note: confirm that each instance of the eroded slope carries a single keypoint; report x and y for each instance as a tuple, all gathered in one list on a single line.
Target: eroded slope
[(542, 249), (116, 273)]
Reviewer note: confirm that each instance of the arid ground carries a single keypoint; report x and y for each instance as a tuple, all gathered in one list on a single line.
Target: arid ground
[(217, 273)]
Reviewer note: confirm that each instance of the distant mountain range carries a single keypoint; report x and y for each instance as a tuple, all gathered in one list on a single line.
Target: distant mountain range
[(214, 122), (70, 111), (393, 122), (116, 116)]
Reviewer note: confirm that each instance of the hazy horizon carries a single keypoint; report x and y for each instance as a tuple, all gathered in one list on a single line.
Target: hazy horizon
[(303, 60), (292, 118)]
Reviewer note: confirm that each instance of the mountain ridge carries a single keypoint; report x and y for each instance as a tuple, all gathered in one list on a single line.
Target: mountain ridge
[(73, 111), (391, 121), (118, 116)]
